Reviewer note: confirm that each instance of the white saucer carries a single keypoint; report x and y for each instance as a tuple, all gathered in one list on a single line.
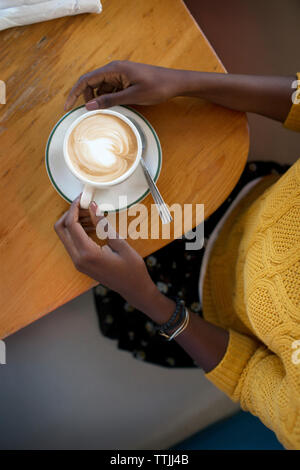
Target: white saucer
[(118, 197)]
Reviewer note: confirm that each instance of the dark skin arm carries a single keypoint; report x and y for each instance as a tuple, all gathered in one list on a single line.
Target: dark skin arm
[(269, 96), (124, 82)]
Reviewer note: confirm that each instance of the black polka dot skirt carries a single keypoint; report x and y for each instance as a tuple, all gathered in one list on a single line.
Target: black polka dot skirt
[(176, 273)]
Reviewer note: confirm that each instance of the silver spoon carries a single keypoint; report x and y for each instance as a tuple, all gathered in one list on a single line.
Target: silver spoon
[(162, 208)]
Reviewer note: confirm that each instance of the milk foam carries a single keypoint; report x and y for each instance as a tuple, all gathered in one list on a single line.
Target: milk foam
[(102, 147), (101, 151)]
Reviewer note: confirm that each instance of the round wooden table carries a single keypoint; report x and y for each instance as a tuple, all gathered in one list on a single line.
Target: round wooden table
[(205, 147)]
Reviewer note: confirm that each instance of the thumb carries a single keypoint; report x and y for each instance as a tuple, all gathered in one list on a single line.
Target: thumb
[(104, 230), (127, 96)]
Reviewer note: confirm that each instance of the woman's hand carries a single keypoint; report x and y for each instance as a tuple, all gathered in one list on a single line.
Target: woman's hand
[(124, 82), (115, 265), (119, 267)]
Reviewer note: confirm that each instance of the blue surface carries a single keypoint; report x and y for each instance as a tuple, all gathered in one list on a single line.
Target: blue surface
[(241, 431)]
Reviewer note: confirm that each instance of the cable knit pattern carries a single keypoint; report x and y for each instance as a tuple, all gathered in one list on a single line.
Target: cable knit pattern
[(252, 288)]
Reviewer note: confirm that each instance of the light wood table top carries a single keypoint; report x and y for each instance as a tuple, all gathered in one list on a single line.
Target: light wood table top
[(205, 147)]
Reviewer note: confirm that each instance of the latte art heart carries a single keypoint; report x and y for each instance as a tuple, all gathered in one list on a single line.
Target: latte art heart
[(102, 147)]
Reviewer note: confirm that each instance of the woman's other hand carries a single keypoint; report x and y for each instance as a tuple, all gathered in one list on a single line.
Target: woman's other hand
[(124, 82), (116, 265)]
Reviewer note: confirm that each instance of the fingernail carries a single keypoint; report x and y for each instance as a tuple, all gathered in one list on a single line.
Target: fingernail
[(93, 205), (92, 105)]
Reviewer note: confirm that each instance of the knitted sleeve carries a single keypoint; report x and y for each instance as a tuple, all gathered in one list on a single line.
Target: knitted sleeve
[(251, 374), (293, 119)]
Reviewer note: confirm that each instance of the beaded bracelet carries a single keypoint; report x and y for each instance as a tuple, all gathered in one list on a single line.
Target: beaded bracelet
[(171, 323)]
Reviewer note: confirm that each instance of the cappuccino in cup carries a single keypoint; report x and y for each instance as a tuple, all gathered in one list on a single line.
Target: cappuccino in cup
[(101, 148)]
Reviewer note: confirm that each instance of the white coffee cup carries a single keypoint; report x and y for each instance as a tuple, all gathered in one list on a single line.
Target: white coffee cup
[(91, 186)]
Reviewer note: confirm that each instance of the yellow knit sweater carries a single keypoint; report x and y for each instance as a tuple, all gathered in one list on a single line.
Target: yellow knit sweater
[(252, 288)]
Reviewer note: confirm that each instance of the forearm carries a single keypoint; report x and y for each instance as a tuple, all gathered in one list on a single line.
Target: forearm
[(203, 341), (269, 96)]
